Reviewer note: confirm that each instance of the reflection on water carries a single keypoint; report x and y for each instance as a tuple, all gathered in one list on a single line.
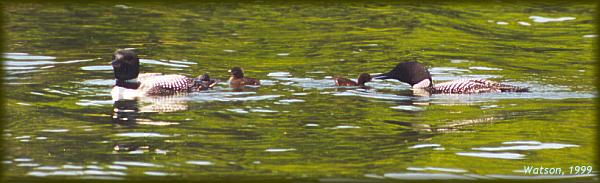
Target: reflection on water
[(125, 111), (526, 147), (540, 19), (426, 176), (298, 124)]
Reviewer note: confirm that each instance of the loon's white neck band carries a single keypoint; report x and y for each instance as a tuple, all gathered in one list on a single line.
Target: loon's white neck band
[(423, 84), (130, 84), (134, 80)]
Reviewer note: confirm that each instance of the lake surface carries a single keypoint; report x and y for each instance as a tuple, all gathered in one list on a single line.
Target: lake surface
[(60, 121)]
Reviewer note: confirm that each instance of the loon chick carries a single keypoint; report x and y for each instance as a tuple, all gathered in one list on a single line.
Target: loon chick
[(238, 80), (131, 84), (418, 77), (204, 81), (362, 79)]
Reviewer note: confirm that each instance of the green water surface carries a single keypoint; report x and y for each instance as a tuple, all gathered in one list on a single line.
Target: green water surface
[(298, 126)]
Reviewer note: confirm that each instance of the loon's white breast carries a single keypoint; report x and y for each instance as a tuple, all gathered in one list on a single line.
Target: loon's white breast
[(122, 93)]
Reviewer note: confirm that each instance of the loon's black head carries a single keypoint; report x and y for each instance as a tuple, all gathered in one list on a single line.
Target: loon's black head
[(237, 72), (126, 64), (408, 72), (363, 78)]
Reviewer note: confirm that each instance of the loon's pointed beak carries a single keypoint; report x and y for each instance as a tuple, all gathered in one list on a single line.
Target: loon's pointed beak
[(382, 76), (114, 63)]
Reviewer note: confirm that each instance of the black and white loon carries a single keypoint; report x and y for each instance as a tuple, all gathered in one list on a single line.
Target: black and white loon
[(418, 77), (130, 84)]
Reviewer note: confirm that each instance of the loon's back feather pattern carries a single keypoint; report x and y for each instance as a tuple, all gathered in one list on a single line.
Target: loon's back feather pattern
[(165, 84), (144, 76), (474, 86)]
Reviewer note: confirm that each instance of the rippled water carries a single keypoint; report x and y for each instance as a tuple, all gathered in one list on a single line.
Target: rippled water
[(62, 123)]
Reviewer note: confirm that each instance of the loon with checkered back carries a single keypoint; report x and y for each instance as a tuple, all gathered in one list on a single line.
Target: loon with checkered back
[(418, 77), (131, 84)]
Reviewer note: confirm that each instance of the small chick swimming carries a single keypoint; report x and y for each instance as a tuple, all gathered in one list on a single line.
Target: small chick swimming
[(205, 82), (418, 77), (238, 80), (362, 79)]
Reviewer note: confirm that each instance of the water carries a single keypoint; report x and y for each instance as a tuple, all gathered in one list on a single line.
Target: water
[(62, 123)]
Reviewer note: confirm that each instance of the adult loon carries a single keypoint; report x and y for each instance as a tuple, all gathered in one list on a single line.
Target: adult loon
[(130, 84), (362, 79), (418, 77), (237, 79)]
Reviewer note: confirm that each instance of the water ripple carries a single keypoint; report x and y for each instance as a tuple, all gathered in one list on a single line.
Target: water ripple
[(279, 150), (86, 102), (43, 62), (136, 163), (454, 170), (117, 167), (526, 147), (503, 155), (485, 68), (22, 159), (74, 173), (541, 19), (55, 130), (99, 82), (345, 127), (373, 95), (199, 162), (20, 68), (155, 173), (425, 176), (97, 68), (156, 62), (140, 134), (279, 74), (26, 56), (408, 108), (423, 145)]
